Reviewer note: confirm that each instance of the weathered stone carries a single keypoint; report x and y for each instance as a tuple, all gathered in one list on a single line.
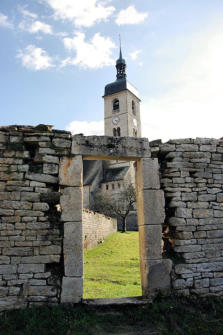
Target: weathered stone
[(41, 177), (209, 148), (40, 259), (73, 249), (50, 168), (8, 269), (188, 248), (215, 233), (49, 291), (71, 204), (72, 290), (159, 277), (207, 197), (50, 250), (71, 171), (28, 213), (30, 196), (150, 173), (62, 143), (202, 213), (150, 241), (41, 206), (183, 213), (30, 268), (26, 251), (153, 207), (50, 159)]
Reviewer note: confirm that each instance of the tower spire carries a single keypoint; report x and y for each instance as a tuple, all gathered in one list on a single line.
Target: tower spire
[(120, 63)]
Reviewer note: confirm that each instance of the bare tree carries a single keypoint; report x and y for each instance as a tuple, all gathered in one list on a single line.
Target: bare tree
[(120, 205)]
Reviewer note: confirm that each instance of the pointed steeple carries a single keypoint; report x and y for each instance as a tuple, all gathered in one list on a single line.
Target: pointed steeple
[(120, 65)]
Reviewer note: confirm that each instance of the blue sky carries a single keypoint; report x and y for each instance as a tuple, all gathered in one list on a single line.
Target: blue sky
[(57, 56)]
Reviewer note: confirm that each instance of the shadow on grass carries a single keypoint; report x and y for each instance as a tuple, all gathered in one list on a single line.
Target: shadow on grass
[(174, 315)]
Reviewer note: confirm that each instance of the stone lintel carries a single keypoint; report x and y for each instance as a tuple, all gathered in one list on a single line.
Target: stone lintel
[(109, 146)]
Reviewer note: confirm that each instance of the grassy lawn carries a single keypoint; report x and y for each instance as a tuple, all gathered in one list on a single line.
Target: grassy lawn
[(112, 269)]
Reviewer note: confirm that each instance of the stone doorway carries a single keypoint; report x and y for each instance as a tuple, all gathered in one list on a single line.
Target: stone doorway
[(150, 205)]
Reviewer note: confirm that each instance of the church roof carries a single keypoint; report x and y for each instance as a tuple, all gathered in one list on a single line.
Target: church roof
[(115, 174)]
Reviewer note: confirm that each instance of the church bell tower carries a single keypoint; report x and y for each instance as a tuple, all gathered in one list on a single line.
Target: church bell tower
[(121, 105)]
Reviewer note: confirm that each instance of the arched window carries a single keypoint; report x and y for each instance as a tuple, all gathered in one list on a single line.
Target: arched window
[(114, 132), (118, 131), (115, 105), (133, 108)]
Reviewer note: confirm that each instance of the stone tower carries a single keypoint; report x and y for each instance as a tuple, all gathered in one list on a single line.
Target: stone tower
[(121, 105)]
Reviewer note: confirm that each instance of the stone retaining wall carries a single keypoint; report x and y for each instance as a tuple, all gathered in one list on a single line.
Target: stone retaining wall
[(192, 179), (96, 227)]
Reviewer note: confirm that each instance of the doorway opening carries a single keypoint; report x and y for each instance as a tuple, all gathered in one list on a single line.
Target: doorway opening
[(110, 229)]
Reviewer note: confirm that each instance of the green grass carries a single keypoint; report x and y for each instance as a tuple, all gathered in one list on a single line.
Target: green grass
[(112, 269), (166, 316)]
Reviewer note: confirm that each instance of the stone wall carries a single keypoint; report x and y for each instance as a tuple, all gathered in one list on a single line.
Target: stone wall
[(96, 227), (192, 179), (31, 267)]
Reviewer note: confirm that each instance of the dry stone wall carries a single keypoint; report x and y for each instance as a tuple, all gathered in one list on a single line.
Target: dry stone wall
[(96, 227), (31, 267), (192, 179)]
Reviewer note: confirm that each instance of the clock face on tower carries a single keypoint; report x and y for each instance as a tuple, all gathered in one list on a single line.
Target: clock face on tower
[(115, 120)]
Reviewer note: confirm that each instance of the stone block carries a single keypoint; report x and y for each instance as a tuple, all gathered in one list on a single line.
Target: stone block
[(17, 251), (73, 249), (215, 234), (202, 213), (45, 178), (207, 197), (41, 206), (31, 268), (71, 204), (49, 291), (50, 250), (28, 213), (106, 146), (150, 238), (72, 290), (220, 197), (50, 168), (61, 143), (8, 269), (39, 259), (4, 260), (50, 159), (159, 277), (187, 248), (153, 207), (150, 173), (29, 196), (183, 213), (71, 171)]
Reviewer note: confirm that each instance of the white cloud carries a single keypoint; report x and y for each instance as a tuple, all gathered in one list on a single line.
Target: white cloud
[(93, 54), (134, 54), (34, 58), (194, 107), (86, 127), (130, 16), (27, 13), (82, 13), (4, 22), (36, 27)]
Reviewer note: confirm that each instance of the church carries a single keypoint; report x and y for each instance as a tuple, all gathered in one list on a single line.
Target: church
[(121, 119)]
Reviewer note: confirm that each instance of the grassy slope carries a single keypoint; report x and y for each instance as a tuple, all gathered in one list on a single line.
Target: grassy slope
[(112, 269)]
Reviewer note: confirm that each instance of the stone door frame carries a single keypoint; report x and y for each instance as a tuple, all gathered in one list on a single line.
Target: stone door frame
[(150, 206)]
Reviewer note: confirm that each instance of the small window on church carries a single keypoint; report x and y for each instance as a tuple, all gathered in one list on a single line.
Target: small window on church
[(133, 108), (106, 187), (114, 132), (118, 131), (113, 186), (115, 105), (134, 132)]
